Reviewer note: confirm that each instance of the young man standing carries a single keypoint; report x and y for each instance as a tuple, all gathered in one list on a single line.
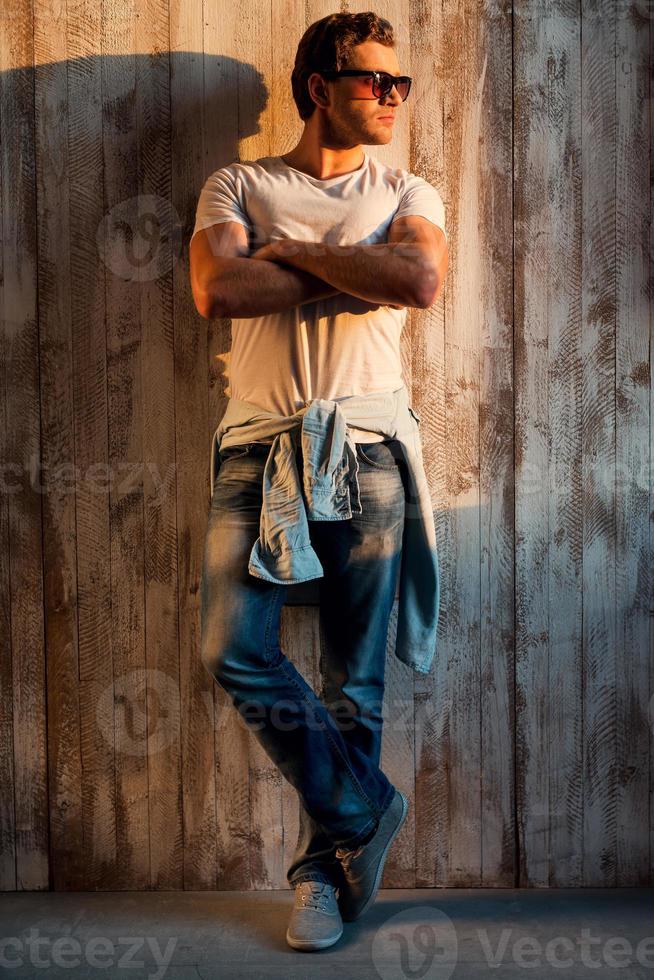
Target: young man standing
[(315, 256)]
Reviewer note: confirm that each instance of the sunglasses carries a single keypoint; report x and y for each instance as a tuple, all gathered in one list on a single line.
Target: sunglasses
[(372, 84)]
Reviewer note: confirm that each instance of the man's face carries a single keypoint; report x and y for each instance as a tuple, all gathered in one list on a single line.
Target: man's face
[(354, 113)]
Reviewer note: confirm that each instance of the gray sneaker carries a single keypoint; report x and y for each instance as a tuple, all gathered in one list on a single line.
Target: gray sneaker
[(364, 865), (315, 920)]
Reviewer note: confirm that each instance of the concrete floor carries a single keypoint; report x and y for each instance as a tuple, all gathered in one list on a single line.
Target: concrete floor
[(406, 935)]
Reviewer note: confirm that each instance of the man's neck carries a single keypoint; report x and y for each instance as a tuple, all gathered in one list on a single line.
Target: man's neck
[(323, 163)]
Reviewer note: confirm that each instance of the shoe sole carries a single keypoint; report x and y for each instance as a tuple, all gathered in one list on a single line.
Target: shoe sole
[(309, 944), (382, 862)]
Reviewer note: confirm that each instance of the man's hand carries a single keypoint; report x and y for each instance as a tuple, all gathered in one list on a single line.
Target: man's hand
[(276, 250), (260, 253), (282, 250)]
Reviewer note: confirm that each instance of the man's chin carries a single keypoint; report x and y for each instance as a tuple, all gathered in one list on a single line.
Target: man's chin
[(377, 135)]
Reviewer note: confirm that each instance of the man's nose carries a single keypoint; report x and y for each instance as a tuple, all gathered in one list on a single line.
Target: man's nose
[(393, 96)]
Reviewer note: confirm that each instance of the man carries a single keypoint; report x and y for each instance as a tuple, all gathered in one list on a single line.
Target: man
[(315, 255)]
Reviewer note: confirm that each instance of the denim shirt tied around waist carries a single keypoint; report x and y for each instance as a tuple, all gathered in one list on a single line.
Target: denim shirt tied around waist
[(283, 553)]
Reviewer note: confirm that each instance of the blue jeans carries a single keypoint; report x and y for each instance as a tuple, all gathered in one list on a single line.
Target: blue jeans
[(327, 747)]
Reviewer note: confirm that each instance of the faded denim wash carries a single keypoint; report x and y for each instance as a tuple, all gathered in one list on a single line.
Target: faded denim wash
[(329, 491), (328, 747)]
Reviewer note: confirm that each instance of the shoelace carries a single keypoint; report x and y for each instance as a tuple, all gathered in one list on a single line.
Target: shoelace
[(346, 857), (314, 895)]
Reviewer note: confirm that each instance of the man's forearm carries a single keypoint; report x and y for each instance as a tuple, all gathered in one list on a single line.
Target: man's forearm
[(388, 273), (252, 287)]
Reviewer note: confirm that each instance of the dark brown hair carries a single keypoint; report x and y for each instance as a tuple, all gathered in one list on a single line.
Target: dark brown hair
[(328, 43)]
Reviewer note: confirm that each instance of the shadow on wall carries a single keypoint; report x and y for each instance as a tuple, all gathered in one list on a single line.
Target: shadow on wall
[(107, 156)]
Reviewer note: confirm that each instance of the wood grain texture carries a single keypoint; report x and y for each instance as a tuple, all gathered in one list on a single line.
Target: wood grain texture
[(436, 73), (25, 864), (58, 263), (115, 667), (634, 514), (548, 467), (163, 817), (527, 751), (598, 412), (448, 378)]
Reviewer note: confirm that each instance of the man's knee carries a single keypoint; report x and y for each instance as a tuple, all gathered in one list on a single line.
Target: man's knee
[(220, 660), (350, 713), (231, 661)]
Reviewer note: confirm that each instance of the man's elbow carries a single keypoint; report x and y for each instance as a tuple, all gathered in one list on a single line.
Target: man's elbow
[(203, 307), (427, 290), (208, 286), (209, 305), (431, 281)]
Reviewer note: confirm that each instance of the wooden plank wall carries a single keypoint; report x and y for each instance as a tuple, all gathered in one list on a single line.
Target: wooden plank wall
[(527, 751)]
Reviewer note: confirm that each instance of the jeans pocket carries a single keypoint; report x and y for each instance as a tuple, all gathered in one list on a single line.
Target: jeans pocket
[(380, 455), (234, 452)]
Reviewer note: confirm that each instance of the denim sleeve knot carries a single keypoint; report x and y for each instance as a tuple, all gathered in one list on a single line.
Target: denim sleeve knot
[(329, 491)]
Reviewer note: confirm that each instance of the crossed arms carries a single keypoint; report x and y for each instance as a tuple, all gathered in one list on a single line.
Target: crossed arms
[(406, 270)]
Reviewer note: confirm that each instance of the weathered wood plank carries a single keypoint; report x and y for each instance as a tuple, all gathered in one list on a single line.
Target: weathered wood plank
[(634, 567), (56, 86), (126, 368), (159, 435), (496, 459), (24, 831), (462, 359), (556, 53), (598, 307), (548, 443)]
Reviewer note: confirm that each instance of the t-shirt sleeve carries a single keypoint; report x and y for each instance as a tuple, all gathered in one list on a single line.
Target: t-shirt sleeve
[(220, 200), (420, 197)]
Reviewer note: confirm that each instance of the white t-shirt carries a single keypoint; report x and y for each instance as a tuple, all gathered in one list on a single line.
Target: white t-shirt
[(328, 348)]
